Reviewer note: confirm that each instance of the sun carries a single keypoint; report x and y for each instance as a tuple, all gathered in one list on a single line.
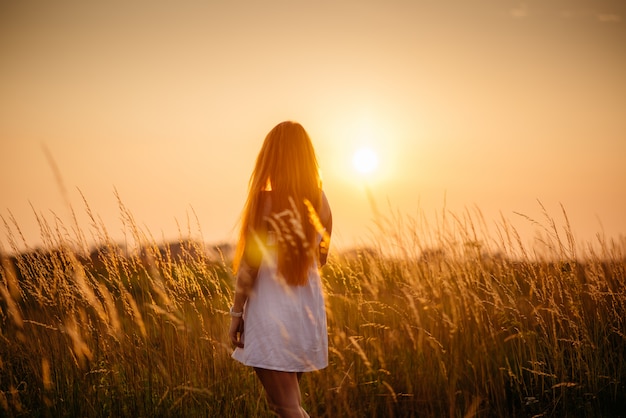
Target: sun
[(365, 160)]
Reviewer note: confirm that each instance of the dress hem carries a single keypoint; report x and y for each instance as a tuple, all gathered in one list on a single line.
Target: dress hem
[(282, 369)]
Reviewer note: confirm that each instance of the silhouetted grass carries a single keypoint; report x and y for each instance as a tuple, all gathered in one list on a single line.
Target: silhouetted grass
[(439, 318)]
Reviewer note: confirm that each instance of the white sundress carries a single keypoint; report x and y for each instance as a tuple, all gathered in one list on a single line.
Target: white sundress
[(284, 326)]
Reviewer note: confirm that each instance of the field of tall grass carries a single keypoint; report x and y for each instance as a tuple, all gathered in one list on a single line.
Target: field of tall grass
[(437, 318)]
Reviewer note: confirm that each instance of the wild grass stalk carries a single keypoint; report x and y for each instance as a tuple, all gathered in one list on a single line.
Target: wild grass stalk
[(438, 318)]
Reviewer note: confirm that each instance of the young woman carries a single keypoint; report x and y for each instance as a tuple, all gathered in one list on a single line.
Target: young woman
[(285, 233)]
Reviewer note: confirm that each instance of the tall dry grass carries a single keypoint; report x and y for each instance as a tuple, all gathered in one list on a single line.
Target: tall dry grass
[(440, 317)]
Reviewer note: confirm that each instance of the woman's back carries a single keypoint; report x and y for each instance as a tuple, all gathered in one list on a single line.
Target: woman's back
[(285, 325)]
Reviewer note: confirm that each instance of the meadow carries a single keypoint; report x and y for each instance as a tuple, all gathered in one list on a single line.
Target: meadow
[(448, 317)]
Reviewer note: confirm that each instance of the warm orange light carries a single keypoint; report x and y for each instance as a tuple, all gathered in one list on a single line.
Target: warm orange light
[(365, 160)]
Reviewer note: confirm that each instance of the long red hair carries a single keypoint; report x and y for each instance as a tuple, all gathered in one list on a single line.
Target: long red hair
[(287, 173)]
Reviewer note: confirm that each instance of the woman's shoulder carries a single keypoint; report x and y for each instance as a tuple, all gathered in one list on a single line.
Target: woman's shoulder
[(325, 200), (325, 212)]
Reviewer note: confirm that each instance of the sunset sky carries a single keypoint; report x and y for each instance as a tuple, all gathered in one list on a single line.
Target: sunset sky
[(492, 104)]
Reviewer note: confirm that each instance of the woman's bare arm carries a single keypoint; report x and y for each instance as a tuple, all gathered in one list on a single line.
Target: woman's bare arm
[(243, 285)]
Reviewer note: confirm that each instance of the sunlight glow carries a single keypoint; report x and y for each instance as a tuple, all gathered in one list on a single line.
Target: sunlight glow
[(365, 160)]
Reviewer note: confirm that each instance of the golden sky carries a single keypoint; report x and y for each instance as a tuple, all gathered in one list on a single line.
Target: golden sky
[(488, 104)]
